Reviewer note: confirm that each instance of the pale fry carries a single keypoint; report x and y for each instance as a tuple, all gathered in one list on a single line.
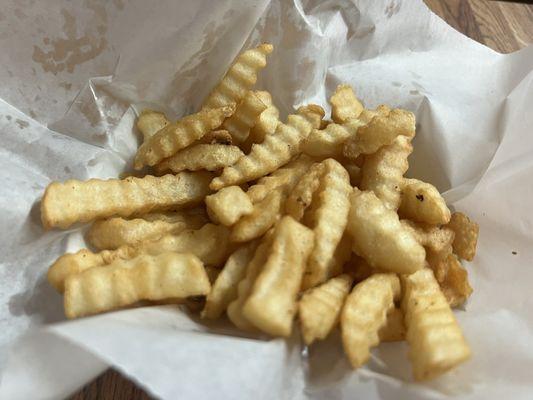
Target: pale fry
[(178, 135), (266, 123), (210, 244), (284, 179), (220, 136), (302, 194), (240, 77), (150, 122), (112, 233), (210, 157), (245, 117), (380, 131), (344, 104), (123, 283), (319, 308), (383, 171), (330, 220), (264, 215), (313, 113), (244, 288), (329, 142), (394, 328), (422, 202), (271, 304), (81, 201), (224, 290), (364, 313), (455, 284), (466, 233), (275, 151), (436, 343), (228, 205), (379, 237)]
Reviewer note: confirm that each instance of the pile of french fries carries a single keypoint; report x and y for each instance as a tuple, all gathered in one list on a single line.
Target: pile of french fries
[(268, 221)]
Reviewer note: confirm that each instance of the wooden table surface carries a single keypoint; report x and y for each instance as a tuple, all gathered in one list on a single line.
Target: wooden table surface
[(503, 26)]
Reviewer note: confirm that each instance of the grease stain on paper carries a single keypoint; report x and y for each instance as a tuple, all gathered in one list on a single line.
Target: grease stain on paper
[(22, 124), (392, 8), (65, 53)]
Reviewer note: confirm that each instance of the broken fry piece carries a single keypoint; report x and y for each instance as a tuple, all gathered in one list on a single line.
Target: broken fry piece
[(150, 122), (344, 104), (228, 205), (245, 117), (466, 233), (422, 202)]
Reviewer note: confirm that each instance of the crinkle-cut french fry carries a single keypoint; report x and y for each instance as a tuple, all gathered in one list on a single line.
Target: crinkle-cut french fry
[(436, 239), (266, 123), (228, 205), (219, 136), (394, 328), (245, 117), (150, 122), (364, 313), (284, 178), (271, 304), (239, 78), (125, 282), (224, 290), (330, 220), (210, 157), (178, 135), (302, 195), (264, 215), (422, 202), (81, 201), (244, 287), (313, 113), (319, 308), (341, 256), (209, 243), (112, 233), (436, 343), (383, 171), (275, 151), (455, 285), (344, 104), (466, 233), (379, 237), (366, 115), (329, 142), (380, 131)]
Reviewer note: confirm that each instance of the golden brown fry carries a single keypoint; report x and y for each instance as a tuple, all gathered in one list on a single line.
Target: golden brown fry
[(224, 290), (379, 237), (112, 233), (380, 131), (271, 304), (125, 282), (245, 117), (436, 343), (210, 244), (320, 307), (422, 202), (81, 201), (150, 122), (240, 77), (364, 313), (210, 157), (275, 151), (394, 328), (313, 113), (383, 171), (178, 135), (284, 179), (455, 286), (302, 194), (344, 104), (228, 205), (266, 123), (330, 220), (466, 233), (329, 142), (220, 136), (244, 288), (264, 215)]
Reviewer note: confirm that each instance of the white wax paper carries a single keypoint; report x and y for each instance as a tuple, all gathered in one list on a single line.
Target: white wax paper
[(73, 76)]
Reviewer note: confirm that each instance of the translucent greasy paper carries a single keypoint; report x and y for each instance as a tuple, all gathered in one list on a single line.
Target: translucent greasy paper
[(74, 75)]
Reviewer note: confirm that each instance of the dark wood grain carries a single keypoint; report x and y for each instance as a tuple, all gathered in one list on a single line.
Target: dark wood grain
[(503, 26)]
